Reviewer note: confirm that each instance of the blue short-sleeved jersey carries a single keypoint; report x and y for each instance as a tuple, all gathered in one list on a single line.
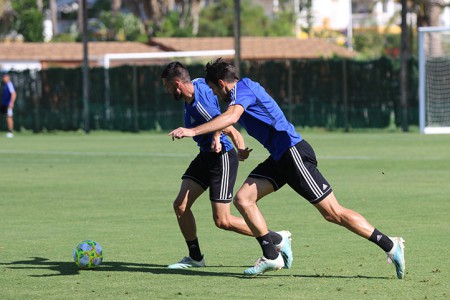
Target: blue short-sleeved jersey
[(263, 119), (7, 90), (204, 108)]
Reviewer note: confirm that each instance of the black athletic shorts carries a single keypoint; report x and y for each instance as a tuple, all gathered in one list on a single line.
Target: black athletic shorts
[(3, 109), (217, 171), (298, 168)]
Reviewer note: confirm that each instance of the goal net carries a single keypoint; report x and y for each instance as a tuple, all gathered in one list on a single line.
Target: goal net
[(434, 80)]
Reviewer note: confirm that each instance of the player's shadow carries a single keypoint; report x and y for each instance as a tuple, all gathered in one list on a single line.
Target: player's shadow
[(70, 269)]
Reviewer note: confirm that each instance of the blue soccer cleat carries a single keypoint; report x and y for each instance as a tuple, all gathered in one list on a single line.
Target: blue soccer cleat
[(264, 264), (397, 256), (284, 247)]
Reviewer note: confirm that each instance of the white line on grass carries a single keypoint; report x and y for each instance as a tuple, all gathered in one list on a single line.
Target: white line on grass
[(144, 154), (169, 154), (74, 153)]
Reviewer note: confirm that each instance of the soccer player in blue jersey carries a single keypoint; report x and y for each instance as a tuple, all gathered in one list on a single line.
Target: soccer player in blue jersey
[(292, 160), (7, 105), (215, 167)]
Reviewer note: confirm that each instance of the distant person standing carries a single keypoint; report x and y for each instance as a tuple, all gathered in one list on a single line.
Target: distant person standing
[(8, 99)]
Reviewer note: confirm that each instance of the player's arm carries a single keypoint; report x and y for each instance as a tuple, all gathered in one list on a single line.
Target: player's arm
[(229, 117), (238, 141), (13, 97)]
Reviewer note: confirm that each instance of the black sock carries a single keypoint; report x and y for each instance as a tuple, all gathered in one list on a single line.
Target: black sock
[(267, 246), (194, 250), (383, 241), (276, 238)]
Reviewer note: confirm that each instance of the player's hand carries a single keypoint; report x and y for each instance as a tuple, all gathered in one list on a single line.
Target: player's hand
[(181, 132), (243, 154), (216, 145)]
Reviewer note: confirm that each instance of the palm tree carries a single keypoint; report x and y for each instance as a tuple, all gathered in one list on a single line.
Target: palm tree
[(115, 6), (6, 13), (190, 12), (54, 16), (428, 13)]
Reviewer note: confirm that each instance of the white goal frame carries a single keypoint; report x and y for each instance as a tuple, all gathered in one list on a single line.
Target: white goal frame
[(108, 57), (423, 125)]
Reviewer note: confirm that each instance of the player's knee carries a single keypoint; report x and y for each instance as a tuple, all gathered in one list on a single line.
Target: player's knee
[(238, 203), (333, 217), (222, 223), (179, 208), (240, 200)]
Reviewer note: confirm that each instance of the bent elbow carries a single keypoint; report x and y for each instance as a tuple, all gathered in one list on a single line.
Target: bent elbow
[(234, 119)]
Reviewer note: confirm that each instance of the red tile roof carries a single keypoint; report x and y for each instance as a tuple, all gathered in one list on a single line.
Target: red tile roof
[(252, 48), (258, 48), (67, 51)]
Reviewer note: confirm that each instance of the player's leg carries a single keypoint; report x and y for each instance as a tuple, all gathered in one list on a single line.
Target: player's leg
[(190, 190), (223, 173), (245, 201), (305, 178), (223, 219), (10, 122), (194, 183), (333, 212)]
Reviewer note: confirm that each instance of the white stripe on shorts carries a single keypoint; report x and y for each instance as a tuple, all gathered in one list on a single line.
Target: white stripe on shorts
[(309, 179), (225, 176)]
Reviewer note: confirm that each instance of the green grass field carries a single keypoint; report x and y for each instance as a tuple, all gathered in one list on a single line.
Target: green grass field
[(118, 188)]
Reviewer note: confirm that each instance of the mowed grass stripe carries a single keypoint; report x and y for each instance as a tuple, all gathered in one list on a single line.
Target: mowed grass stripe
[(118, 189)]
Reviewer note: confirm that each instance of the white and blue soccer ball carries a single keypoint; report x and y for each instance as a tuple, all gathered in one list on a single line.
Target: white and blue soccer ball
[(88, 254)]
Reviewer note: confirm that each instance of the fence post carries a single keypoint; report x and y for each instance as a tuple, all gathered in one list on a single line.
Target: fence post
[(345, 94), (135, 100), (290, 91)]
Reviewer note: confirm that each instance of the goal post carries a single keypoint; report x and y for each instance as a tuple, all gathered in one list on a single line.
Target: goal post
[(107, 58), (434, 80)]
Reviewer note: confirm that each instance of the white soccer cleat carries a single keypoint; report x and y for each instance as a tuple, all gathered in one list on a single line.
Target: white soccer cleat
[(9, 135), (264, 264), (397, 256), (284, 247), (188, 262)]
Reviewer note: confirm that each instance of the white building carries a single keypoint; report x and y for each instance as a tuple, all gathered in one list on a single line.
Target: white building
[(335, 14)]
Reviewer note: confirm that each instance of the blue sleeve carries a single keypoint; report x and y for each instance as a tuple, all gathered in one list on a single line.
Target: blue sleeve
[(11, 87), (246, 96)]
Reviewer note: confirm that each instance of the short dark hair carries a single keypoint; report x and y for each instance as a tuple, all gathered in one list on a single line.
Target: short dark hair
[(220, 69), (176, 70)]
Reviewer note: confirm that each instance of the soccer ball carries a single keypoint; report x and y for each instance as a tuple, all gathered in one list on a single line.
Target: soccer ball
[(88, 254)]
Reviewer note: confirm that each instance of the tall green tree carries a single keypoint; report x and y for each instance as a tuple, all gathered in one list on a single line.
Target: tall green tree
[(217, 20), (28, 20)]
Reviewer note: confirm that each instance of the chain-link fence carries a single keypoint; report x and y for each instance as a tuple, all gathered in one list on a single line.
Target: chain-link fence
[(314, 93)]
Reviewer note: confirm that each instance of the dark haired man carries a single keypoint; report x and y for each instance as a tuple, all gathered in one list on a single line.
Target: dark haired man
[(292, 160)]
